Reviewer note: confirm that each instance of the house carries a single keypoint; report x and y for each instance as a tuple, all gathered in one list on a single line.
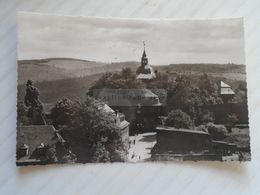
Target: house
[(120, 122), (39, 144), (226, 91)]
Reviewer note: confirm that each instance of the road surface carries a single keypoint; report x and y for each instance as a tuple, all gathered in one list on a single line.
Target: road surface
[(141, 146)]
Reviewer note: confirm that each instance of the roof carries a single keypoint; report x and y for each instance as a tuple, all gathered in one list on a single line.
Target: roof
[(173, 129), (127, 97), (149, 93), (33, 136), (223, 142), (107, 109), (144, 54), (123, 124), (225, 89), (222, 84), (145, 76)]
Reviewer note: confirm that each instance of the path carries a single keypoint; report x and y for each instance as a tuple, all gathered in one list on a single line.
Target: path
[(140, 149)]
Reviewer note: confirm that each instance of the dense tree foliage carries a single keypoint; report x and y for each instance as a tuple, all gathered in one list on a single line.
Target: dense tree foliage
[(91, 132), (64, 111), (190, 97), (126, 79), (218, 132), (179, 119), (205, 117), (22, 115), (232, 119)]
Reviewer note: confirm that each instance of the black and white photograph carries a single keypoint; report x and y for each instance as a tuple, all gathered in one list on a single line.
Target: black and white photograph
[(104, 90)]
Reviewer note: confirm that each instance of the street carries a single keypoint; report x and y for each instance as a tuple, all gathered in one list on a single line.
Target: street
[(141, 146)]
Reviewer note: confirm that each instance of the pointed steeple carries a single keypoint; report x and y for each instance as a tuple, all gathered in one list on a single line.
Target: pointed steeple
[(144, 60), (144, 54)]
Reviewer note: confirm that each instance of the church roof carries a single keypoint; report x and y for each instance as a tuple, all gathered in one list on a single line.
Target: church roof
[(145, 76), (144, 54)]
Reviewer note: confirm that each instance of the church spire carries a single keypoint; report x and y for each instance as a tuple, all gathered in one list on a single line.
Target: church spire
[(144, 60), (144, 54)]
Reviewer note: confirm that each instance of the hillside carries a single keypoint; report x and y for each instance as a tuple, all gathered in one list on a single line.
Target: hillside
[(209, 68), (230, 71), (58, 77), (51, 91), (63, 68)]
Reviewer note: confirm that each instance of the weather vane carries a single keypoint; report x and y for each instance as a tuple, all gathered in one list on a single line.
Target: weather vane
[(144, 44)]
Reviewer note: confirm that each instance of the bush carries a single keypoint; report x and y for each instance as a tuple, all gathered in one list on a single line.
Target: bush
[(202, 128), (205, 117), (232, 119), (179, 119), (218, 132)]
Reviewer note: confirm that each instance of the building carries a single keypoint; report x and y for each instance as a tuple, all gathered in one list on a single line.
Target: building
[(170, 139), (145, 72), (121, 123), (226, 91), (39, 144), (127, 97), (187, 144), (138, 105)]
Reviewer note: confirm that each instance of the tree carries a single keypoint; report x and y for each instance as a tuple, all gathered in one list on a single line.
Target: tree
[(92, 132), (218, 132), (179, 119), (205, 117), (231, 120), (127, 73), (63, 112), (22, 115), (183, 95), (123, 80), (206, 84)]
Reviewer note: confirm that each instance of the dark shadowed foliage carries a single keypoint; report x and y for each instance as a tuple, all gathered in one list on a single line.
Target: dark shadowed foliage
[(179, 119), (218, 132)]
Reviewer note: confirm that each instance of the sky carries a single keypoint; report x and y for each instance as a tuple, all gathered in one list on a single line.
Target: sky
[(116, 40)]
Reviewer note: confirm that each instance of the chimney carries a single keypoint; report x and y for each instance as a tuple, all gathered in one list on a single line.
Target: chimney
[(40, 150), (23, 150)]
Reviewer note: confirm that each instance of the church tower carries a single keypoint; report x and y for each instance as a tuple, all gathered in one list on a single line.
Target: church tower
[(144, 59), (145, 71)]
